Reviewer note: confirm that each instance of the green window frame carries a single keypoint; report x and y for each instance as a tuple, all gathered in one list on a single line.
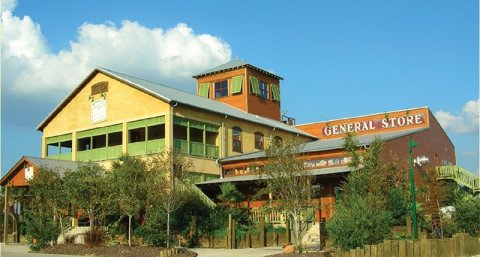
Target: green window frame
[(255, 87), (204, 90), (60, 142), (100, 153), (236, 85), (275, 92), (188, 145), (145, 146)]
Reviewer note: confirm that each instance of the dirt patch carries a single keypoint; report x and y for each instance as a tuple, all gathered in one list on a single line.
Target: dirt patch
[(313, 254), (111, 251)]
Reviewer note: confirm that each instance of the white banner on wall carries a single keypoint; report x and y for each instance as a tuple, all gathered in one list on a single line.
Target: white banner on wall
[(99, 111), (28, 173)]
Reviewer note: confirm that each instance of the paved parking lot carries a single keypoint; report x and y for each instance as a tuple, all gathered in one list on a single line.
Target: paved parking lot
[(15, 250)]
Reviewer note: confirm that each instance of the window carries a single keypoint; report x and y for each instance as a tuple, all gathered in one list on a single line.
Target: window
[(263, 90), (237, 139), (114, 138), (221, 89), (204, 89), (275, 92), (278, 141), (137, 135), (259, 140)]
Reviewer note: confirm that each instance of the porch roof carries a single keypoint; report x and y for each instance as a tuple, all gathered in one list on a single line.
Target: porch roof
[(244, 178)]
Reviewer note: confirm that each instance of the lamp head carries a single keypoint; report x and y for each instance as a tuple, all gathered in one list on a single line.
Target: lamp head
[(421, 160)]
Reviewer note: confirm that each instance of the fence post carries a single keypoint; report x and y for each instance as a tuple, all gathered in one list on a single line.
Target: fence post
[(234, 237), (416, 248), (387, 248), (262, 231), (423, 247), (410, 248), (434, 247), (394, 249), (287, 230), (402, 247), (229, 232), (373, 251)]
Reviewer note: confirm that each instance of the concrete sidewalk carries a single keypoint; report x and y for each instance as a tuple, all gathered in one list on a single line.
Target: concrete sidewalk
[(248, 252), (16, 250)]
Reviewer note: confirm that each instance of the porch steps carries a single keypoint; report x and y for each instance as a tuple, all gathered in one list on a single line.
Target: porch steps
[(311, 238), (77, 232)]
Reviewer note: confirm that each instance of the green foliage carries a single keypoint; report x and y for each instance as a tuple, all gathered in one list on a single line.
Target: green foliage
[(89, 190), (129, 183), (168, 184), (372, 198), (48, 200), (153, 229), (229, 194), (288, 181), (41, 229), (467, 214), (397, 205), (358, 221)]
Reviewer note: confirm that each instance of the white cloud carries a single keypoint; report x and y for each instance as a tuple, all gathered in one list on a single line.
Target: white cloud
[(169, 56), (463, 123), (8, 5)]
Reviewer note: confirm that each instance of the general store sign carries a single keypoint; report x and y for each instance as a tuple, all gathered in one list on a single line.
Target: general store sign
[(373, 124)]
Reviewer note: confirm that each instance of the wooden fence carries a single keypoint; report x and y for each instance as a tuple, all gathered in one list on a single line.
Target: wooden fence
[(459, 245)]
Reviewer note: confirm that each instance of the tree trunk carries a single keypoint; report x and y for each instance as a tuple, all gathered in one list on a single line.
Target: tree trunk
[(129, 230), (296, 230), (62, 230), (168, 229)]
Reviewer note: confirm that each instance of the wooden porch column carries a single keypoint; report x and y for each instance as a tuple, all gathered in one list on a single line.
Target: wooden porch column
[(5, 217)]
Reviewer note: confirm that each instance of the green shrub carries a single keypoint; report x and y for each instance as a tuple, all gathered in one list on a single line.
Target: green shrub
[(153, 230), (41, 230), (467, 214), (357, 221)]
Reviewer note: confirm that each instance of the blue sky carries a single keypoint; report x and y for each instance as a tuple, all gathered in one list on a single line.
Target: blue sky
[(339, 58)]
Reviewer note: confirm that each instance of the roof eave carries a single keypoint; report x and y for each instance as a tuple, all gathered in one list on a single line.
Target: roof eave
[(201, 75)]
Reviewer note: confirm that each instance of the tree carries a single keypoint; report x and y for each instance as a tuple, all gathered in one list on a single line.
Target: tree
[(168, 184), (46, 209), (129, 176), (467, 214), (287, 180), (371, 194), (89, 190)]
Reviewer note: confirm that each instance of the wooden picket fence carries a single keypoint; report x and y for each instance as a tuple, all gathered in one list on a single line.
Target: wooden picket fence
[(459, 245)]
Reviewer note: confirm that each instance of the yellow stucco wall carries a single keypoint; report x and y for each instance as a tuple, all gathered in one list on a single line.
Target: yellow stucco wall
[(124, 104)]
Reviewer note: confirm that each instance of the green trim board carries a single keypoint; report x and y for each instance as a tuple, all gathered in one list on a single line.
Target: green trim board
[(254, 85), (195, 124), (146, 122), (57, 139), (204, 89), (236, 85)]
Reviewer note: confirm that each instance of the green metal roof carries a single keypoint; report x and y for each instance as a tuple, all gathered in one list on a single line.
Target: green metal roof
[(232, 65)]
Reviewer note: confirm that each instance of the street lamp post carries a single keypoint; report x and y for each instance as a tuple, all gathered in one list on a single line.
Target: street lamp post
[(419, 161), (411, 144)]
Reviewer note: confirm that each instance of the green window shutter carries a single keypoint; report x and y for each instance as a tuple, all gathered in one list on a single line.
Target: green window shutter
[(254, 85), (236, 84), (156, 121), (275, 92), (136, 124), (115, 128), (204, 89)]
